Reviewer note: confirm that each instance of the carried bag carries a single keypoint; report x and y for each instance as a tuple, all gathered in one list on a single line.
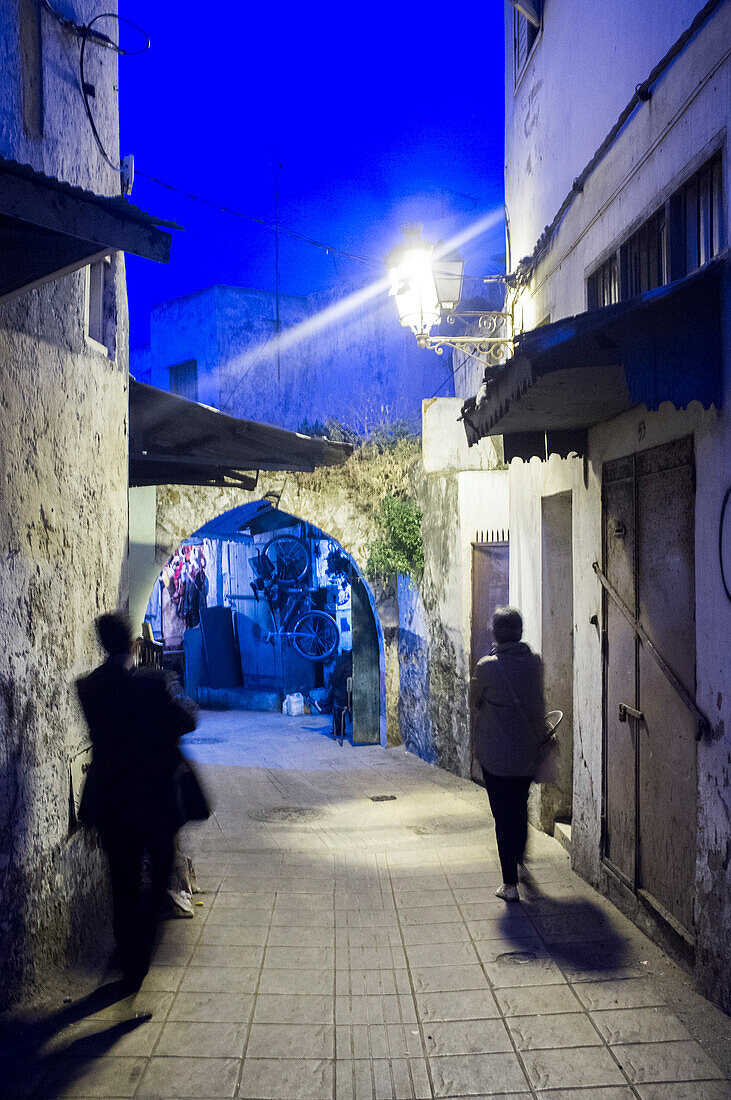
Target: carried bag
[(191, 803), (547, 766), (546, 770)]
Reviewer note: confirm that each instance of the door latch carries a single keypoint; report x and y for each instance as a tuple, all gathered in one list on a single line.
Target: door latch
[(625, 711)]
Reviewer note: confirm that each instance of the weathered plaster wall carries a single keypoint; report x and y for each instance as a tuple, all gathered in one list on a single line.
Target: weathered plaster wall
[(463, 497), (553, 127), (63, 472), (530, 483)]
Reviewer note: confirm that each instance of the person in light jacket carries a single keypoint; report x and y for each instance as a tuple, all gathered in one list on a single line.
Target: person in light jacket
[(506, 701)]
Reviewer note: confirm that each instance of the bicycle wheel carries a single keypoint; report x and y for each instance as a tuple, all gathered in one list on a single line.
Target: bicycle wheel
[(315, 635), (289, 558)]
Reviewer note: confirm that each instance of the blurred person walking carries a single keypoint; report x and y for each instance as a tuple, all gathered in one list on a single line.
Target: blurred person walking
[(133, 788), (506, 700)]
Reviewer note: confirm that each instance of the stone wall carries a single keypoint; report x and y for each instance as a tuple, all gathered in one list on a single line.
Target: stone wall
[(463, 497)]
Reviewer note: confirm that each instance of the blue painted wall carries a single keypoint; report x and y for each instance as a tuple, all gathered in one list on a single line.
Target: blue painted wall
[(361, 370)]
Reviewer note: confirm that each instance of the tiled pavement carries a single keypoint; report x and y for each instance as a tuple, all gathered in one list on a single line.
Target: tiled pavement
[(350, 949)]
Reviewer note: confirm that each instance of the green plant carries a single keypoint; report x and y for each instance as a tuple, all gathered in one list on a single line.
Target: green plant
[(398, 548)]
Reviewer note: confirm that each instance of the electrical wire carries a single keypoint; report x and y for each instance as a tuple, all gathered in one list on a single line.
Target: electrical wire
[(87, 34), (261, 221)]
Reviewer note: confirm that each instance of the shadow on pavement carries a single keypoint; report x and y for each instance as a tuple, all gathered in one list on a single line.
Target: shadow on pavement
[(38, 1060), (577, 933)]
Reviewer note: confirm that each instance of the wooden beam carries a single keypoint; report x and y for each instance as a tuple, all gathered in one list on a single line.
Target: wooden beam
[(40, 203)]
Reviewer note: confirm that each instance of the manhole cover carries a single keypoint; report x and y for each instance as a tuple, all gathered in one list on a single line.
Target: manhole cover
[(445, 827), (382, 797), (517, 957), (203, 740), (285, 814)]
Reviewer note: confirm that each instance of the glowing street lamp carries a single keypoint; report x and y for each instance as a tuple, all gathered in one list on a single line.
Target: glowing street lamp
[(413, 285), (427, 287)]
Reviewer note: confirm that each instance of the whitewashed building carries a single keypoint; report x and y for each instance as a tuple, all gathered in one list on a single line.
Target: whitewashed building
[(617, 435)]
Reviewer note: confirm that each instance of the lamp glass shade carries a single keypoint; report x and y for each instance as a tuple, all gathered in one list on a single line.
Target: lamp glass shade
[(448, 273), (413, 287)]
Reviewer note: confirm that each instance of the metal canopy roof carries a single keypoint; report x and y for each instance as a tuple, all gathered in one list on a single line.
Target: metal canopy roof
[(664, 345), (174, 441), (49, 228)]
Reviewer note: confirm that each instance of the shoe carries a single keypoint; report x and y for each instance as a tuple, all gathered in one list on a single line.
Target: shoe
[(507, 892), (179, 904)]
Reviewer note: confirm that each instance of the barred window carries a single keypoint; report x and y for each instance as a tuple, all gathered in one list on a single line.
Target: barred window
[(682, 235)]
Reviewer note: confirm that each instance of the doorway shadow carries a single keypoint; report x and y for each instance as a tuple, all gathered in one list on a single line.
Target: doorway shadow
[(42, 1056), (579, 935)]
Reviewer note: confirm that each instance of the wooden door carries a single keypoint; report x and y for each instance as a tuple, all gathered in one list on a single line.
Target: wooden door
[(366, 669), (667, 748), (650, 770), (490, 562)]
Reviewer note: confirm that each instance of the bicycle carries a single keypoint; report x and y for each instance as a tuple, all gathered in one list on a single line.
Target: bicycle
[(282, 565)]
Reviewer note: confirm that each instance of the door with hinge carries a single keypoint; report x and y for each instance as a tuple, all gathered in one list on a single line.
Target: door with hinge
[(649, 834)]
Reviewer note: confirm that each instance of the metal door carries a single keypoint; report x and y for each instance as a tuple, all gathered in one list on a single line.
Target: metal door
[(650, 758), (489, 590), (366, 670)]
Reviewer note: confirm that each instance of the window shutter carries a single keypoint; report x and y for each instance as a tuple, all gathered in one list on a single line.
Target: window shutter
[(530, 9)]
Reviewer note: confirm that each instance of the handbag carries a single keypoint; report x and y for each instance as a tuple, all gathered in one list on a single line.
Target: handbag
[(191, 803), (547, 766), (546, 770)]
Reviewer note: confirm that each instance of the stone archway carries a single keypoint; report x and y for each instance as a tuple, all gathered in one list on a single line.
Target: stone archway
[(172, 512)]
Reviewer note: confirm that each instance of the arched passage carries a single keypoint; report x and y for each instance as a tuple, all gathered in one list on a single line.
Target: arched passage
[(257, 603)]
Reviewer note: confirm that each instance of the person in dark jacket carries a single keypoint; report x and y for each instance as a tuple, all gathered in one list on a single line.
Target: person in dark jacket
[(506, 700), (135, 719)]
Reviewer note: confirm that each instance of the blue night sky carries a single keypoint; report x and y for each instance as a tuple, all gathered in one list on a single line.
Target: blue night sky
[(378, 114)]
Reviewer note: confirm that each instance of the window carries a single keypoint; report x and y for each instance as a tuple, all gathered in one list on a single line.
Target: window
[(643, 258), (97, 315), (603, 285), (681, 236), (31, 67), (525, 32), (697, 210), (184, 379)]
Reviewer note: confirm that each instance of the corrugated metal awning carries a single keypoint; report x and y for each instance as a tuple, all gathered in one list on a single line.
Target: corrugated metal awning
[(174, 441), (50, 228), (664, 345)]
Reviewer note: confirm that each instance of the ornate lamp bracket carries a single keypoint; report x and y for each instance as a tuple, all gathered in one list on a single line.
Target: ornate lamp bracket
[(491, 344)]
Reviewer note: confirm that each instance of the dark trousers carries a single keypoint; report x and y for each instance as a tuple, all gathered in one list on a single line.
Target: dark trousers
[(135, 904), (508, 795)]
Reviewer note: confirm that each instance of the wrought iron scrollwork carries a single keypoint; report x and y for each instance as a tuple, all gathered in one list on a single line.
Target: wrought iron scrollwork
[(492, 344)]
